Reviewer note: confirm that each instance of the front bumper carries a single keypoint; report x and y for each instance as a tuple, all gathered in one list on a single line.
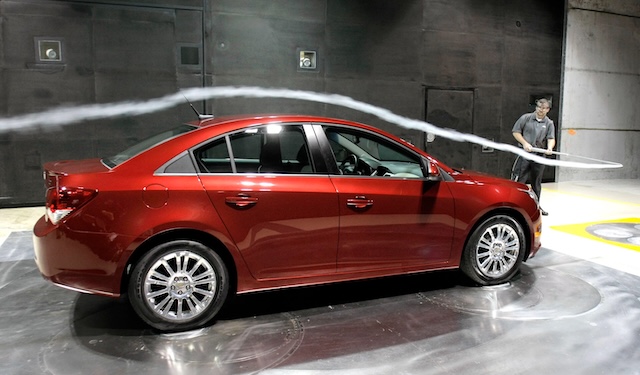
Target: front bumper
[(537, 234)]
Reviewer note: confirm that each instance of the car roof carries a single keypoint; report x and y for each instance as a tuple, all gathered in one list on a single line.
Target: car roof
[(271, 117), (234, 122)]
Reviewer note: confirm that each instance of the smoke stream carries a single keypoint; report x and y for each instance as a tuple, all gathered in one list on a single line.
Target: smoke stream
[(69, 115)]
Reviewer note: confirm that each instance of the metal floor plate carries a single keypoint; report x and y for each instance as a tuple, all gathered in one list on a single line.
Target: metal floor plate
[(560, 315)]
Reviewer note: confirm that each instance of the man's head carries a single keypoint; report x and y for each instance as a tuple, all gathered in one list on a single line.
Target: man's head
[(542, 107)]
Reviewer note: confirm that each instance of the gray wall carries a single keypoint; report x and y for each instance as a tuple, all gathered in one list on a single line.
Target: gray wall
[(601, 90), (471, 65)]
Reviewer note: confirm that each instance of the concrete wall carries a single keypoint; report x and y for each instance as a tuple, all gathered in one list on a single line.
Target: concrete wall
[(465, 64), (601, 87)]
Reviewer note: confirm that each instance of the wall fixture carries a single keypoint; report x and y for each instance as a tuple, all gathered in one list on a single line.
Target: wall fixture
[(487, 149), (189, 55), (307, 60), (48, 50)]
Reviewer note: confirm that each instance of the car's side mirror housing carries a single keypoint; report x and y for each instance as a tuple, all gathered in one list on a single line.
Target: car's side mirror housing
[(433, 172)]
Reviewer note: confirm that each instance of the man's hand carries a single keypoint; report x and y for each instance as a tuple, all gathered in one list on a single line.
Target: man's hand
[(525, 145)]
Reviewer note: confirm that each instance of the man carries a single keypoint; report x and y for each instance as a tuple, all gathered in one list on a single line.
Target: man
[(534, 130)]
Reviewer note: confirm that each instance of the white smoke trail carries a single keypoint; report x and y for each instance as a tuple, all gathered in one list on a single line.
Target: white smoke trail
[(68, 115)]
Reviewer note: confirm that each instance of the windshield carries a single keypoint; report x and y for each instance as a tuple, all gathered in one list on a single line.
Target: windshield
[(145, 145)]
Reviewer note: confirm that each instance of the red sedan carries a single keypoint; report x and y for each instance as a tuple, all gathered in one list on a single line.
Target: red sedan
[(229, 205)]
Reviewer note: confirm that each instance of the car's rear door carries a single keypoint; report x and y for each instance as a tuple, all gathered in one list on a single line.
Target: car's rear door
[(391, 217), (280, 212)]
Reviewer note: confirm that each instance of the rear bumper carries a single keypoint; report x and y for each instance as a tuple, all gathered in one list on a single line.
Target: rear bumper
[(82, 261)]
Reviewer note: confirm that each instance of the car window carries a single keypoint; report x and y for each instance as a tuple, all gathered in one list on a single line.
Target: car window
[(214, 158), (265, 149), (145, 145), (361, 153)]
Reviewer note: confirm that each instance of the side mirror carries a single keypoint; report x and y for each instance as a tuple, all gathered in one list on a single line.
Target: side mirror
[(433, 172)]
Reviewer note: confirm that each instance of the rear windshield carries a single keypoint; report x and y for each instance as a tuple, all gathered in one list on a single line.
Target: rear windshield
[(145, 145)]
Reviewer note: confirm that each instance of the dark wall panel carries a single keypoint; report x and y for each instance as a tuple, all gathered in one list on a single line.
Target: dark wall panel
[(386, 53), (451, 109), (110, 53), (30, 86), (250, 45), (374, 39), (134, 41), (309, 10), (464, 43)]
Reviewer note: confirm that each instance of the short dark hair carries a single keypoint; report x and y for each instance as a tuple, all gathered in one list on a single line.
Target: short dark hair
[(543, 101)]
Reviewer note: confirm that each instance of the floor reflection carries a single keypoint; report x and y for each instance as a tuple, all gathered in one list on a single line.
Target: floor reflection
[(543, 294), (106, 331), (543, 321)]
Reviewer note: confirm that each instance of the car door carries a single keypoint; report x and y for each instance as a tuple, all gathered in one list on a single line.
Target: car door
[(391, 216), (281, 214)]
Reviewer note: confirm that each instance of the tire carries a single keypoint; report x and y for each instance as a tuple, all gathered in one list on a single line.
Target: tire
[(179, 285), (494, 252)]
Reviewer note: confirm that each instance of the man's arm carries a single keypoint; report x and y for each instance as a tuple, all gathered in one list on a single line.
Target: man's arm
[(520, 139), (551, 140), (551, 143)]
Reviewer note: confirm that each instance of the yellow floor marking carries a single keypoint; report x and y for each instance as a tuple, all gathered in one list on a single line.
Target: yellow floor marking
[(581, 230)]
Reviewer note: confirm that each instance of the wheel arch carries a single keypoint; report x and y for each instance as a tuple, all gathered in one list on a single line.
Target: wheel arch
[(181, 234), (508, 211)]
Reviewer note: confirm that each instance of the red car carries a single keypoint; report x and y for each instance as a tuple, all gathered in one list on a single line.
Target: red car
[(229, 205)]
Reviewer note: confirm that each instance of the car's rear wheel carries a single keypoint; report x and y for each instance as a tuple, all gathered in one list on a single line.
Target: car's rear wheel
[(494, 251), (179, 285)]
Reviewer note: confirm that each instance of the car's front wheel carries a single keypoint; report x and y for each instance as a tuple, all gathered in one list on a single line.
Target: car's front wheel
[(494, 251), (178, 285)]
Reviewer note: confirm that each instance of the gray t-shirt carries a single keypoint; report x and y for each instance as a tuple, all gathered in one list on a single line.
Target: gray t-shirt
[(533, 131)]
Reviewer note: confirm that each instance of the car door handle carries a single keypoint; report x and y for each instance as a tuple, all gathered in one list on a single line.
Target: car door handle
[(359, 202), (241, 201)]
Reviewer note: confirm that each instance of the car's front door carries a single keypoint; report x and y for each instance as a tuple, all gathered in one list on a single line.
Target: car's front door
[(281, 214), (391, 217)]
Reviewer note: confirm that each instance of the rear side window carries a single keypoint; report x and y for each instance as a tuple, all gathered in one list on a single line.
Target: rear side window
[(215, 157), (265, 149), (145, 145)]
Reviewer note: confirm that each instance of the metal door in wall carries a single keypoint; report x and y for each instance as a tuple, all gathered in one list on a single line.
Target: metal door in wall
[(453, 109)]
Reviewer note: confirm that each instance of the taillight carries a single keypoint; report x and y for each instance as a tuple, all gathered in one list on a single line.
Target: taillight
[(64, 200)]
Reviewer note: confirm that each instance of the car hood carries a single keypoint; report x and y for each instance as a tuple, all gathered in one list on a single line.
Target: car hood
[(484, 179)]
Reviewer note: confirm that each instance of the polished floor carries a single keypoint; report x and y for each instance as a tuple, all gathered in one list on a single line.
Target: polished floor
[(574, 309)]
